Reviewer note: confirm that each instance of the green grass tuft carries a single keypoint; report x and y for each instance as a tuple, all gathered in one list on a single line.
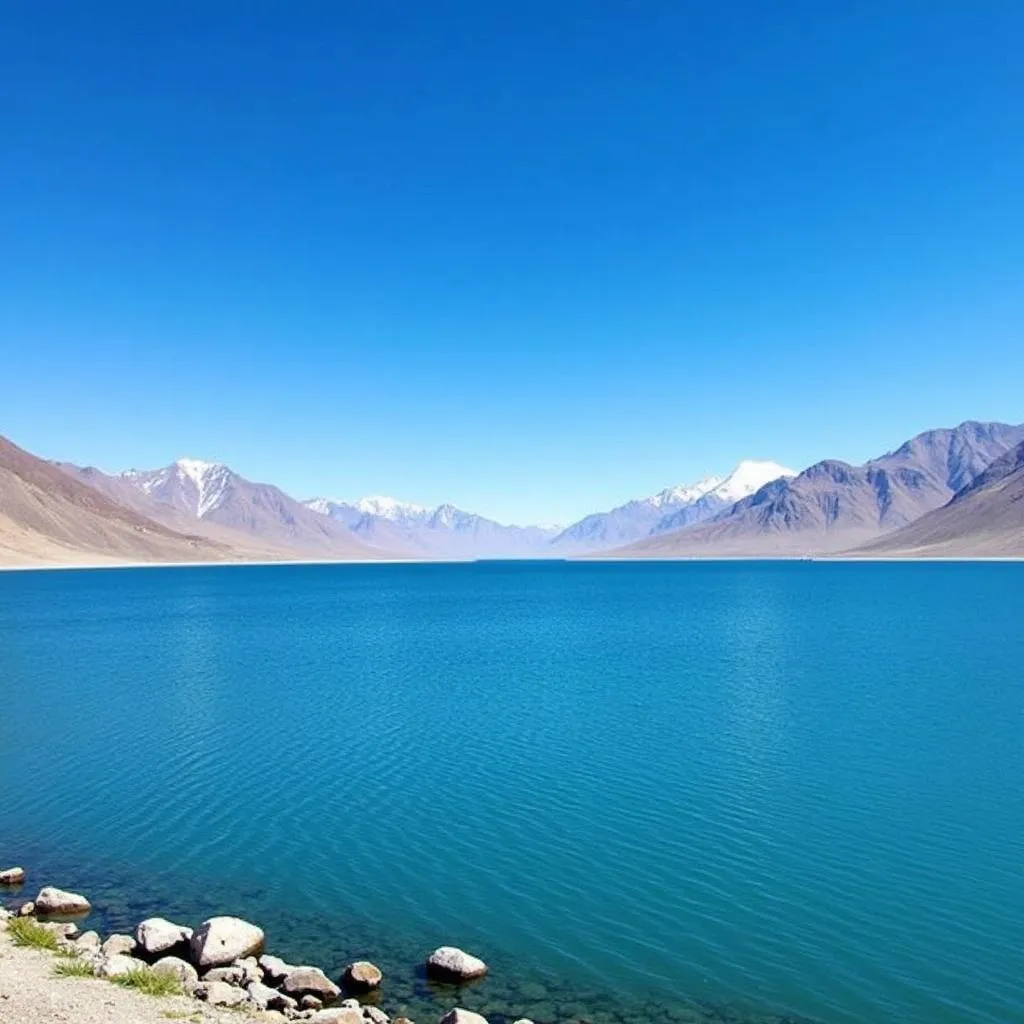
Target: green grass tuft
[(153, 983), (73, 968), (26, 932)]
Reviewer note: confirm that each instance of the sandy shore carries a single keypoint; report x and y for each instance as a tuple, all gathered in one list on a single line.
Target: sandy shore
[(30, 993)]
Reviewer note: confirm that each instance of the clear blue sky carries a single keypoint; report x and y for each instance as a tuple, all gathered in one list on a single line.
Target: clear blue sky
[(530, 257)]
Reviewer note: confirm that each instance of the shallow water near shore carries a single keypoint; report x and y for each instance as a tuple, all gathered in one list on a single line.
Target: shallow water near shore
[(662, 792)]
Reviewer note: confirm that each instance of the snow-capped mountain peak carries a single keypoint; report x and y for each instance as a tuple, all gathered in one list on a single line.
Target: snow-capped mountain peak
[(389, 508), (683, 494), (747, 478), (192, 485)]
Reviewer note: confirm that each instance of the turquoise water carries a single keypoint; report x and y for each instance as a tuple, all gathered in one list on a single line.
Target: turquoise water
[(743, 791)]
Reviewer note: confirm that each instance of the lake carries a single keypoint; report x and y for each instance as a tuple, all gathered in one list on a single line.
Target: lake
[(745, 791)]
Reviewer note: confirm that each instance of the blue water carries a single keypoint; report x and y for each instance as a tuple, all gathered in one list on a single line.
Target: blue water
[(688, 792)]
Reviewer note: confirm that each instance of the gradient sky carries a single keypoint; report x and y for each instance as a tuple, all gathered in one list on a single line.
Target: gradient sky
[(532, 258)]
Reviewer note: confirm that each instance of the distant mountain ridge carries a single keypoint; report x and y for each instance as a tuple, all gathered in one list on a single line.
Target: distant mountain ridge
[(668, 509), (441, 532), (833, 506)]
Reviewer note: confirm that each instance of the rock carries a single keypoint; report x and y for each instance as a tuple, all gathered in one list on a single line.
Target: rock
[(270, 1017), (311, 1002), (222, 940), (5, 914), (309, 981), (403, 1020), (156, 936), (375, 1015), (337, 1015), (58, 901), (64, 929), (26, 909), (362, 976), (119, 944), (263, 997), (459, 1016), (274, 969), (88, 941), (350, 1004), (118, 965), (12, 876), (250, 969), (453, 964), (219, 993), (232, 975), (523, 1020), (182, 969)]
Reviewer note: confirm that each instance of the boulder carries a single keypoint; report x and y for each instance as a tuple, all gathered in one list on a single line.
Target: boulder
[(181, 969), (362, 976), (118, 965), (274, 969), (263, 997), (309, 981), (452, 964), (232, 975), (63, 929), (12, 876), (523, 1020), (58, 901), (250, 969), (88, 941), (350, 1004), (459, 1016), (312, 1003), (26, 909), (375, 1015), (124, 945), (403, 1020), (157, 936), (222, 940), (337, 1015), (219, 993)]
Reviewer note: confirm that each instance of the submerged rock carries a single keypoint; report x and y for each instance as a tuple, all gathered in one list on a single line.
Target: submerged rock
[(59, 901), (156, 935), (460, 1016), (309, 981), (12, 876), (222, 940), (362, 976), (186, 974), (219, 993), (453, 964)]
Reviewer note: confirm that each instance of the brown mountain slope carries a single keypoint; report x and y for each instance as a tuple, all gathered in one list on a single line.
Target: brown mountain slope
[(219, 497), (47, 517), (984, 520), (833, 506), (124, 493)]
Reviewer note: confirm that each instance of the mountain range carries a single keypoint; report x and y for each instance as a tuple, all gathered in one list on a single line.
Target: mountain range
[(944, 492)]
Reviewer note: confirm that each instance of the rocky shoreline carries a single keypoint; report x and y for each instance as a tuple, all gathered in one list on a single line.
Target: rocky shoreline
[(223, 962)]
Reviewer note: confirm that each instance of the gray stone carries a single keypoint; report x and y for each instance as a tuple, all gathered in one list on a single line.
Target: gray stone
[(59, 901), (523, 1020), (222, 940), (310, 1002), (119, 944), (453, 964), (350, 1004), (181, 969), (156, 936), (26, 909), (12, 876), (263, 997), (118, 965), (460, 1016), (362, 976), (309, 981), (274, 969), (219, 993), (375, 1015), (229, 975), (337, 1015), (250, 969)]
